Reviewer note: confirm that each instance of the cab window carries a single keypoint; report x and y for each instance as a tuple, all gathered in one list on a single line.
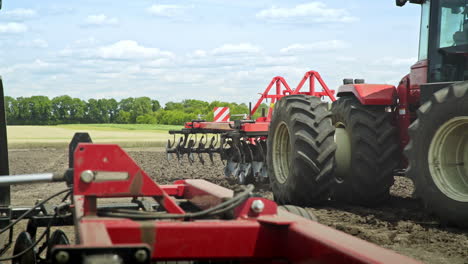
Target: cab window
[(424, 33)]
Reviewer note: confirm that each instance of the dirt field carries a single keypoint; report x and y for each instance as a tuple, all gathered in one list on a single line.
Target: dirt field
[(400, 225)]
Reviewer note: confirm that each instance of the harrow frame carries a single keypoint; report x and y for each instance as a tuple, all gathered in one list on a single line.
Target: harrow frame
[(242, 143)]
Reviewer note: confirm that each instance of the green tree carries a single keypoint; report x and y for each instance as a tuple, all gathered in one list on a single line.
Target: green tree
[(61, 109), (93, 112), (113, 109), (155, 105), (174, 106), (41, 110), (104, 111), (141, 106), (24, 110), (126, 104), (78, 110), (195, 106), (149, 118), (11, 110), (123, 117)]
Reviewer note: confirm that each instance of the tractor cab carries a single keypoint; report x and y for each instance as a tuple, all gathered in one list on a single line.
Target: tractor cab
[(443, 46), (444, 40)]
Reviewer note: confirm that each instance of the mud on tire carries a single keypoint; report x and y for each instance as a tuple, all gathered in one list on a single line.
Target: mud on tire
[(299, 211), (301, 151), (373, 155)]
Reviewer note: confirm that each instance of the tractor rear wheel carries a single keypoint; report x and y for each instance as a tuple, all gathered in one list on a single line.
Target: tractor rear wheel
[(438, 154), (367, 152), (301, 151)]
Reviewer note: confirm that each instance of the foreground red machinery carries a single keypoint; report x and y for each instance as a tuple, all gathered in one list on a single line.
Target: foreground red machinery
[(191, 220), (242, 143)]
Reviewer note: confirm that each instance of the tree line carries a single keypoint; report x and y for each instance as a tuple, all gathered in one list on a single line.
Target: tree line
[(40, 110)]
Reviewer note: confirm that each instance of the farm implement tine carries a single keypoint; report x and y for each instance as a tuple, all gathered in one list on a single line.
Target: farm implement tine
[(212, 149), (170, 149), (189, 149), (261, 152), (200, 149), (259, 162), (233, 161), (222, 150), (180, 146), (245, 173)]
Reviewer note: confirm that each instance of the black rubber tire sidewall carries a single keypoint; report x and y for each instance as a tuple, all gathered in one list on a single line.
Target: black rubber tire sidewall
[(431, 116), (301, 186)]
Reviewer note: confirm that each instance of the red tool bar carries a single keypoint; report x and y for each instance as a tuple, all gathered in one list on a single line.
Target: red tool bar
[(227, 126), (310, 76), (257, 231), (108, 171), (260, 126), (267, 237), (204, 194)]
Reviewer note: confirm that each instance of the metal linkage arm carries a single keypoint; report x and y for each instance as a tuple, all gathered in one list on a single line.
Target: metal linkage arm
[(29, 178)]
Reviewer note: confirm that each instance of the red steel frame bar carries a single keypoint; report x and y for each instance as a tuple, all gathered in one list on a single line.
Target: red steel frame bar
[(310, 76), (269, 236)]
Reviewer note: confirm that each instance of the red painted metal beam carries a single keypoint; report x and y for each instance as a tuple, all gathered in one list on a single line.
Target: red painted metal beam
[(266, 235), (280, 82), (110, 161)]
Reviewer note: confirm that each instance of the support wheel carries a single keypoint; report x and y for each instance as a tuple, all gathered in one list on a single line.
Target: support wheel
[(301, 151), (438, 154), (23, 242), (58, 238), (367, 152)]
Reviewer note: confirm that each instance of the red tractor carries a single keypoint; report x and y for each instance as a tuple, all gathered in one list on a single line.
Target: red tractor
[(312, 154), (352, 152)]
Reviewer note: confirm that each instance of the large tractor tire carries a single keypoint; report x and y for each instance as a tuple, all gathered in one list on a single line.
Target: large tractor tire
[(438, 154), (367, 152), (301, 151)]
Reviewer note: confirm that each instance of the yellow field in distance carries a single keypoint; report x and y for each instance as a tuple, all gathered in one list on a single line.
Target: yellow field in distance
[(127, 135)]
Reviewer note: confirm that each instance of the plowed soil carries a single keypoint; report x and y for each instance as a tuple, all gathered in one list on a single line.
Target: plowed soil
[(400, 225)]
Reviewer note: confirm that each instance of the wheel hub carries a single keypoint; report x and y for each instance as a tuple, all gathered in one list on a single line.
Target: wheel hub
[(448, 158), (281, 153), (343, 152)]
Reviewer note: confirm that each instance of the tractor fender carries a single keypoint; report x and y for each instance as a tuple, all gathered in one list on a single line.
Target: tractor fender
[(370, 94)]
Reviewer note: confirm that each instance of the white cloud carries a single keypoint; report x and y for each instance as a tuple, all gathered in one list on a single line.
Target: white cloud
[(198, 53), (319, 46), (227, 49), (85, 42), (160, 63), (19, 14), (395, 61), (130, 49), (13, 28), (313, 11), (37, 65), (101, 20), (35, 43), (166, 10)]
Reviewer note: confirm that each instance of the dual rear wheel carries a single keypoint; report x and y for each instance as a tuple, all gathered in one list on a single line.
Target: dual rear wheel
[(309, 163), (350, 153)]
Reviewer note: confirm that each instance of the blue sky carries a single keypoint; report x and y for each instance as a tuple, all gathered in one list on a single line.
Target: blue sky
[(200, 49)]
